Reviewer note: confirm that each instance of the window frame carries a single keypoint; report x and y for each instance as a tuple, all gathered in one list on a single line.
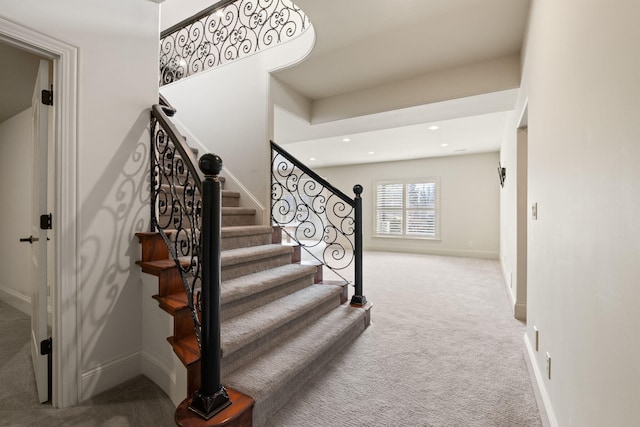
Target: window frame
[(405, 184)]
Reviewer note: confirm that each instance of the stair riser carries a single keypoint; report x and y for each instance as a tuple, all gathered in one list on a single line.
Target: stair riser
[(236, 220), (274, 338), (170, 282), (268, 406), (230, 201), (174, 222), (183, 324), (245, 241), (241, 269), (238, 307), (230, 242)]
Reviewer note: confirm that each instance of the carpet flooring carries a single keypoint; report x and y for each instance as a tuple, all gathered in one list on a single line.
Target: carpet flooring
[(443, 350)]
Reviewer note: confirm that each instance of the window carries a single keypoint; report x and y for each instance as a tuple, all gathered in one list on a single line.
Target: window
[(407, 209)]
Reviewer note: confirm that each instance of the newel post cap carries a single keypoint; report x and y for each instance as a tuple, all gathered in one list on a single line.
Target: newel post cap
[(358, 189), (210, 164)]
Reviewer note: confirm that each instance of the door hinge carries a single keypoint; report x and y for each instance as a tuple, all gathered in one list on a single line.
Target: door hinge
[(47, 96), (46, 346), (45, 222)]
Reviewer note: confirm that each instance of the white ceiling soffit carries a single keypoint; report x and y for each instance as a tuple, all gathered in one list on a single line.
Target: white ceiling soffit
[(464, 126), (17, 80), (290, 128), (462, 136), (367, 43)]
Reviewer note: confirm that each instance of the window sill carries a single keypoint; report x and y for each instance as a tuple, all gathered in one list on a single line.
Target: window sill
[(404, 237)]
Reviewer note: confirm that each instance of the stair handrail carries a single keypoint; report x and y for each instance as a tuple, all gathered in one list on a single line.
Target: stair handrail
[(300, 199), (195, 248)]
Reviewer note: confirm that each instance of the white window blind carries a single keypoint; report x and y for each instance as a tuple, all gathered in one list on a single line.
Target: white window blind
[(407, 209), (389, 212)]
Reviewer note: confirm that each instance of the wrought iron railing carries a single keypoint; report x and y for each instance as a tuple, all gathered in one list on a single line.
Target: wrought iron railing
[(224, 32), (321, 219), (186, 210), (176, 203)]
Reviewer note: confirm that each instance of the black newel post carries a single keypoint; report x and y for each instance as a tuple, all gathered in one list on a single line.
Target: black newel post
[(358, 297), (212, 397)]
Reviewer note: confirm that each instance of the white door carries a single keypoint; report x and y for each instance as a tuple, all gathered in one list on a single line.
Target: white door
[(39, 245)]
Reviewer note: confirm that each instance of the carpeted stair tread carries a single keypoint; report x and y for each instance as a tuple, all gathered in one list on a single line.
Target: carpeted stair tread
[(242, 236), (245, 255), (277, 375), (229, 210), (246, 328), (246, 230), (251, 284), (244, 287), (231, 194)]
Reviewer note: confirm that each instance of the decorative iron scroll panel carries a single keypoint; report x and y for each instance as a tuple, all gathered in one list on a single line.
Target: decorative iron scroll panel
[(176, 207), (313, 215), (232, 32)]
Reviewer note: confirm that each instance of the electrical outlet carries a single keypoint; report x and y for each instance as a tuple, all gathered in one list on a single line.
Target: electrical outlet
[(537, 333), (548, 366), (470, 243)]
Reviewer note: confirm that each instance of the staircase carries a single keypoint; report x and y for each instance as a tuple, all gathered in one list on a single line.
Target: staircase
[(281, 322)]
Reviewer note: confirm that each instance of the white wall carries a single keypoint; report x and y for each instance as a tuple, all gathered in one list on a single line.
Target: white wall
[(15, 188), (581, 78), (474, 79), (514, 210), (117, 43), (174, 11), (228, 109), (469, 199)]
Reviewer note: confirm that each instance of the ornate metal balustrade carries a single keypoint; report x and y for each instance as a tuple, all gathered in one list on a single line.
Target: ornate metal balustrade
[(176, 203), (227, 31), (323, 220), (186, 210)]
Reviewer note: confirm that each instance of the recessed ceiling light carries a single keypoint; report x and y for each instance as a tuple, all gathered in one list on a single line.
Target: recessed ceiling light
[(312, 159), (371, 152), (433, 127), (444, 145), (346, 139)]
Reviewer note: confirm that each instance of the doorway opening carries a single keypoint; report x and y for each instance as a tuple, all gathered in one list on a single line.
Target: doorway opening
[(60, 62), (522, 214)]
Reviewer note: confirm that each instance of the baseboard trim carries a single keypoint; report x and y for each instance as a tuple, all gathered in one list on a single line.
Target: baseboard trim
[(164, 377), (439, 252), (520, 311), (545, 408), (16, 300), (110, 374)]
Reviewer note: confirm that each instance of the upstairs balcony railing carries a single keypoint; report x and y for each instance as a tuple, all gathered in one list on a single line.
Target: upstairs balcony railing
[(321, 219), (226, 31)]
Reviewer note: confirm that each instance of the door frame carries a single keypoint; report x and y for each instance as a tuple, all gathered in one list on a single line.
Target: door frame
[(66, 327), (522, 211)]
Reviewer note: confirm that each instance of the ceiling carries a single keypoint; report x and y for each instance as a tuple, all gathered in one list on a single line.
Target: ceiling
[(362, 45), (17, 80)]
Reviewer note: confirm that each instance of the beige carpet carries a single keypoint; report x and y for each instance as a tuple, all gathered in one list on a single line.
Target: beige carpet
[(443, 350)]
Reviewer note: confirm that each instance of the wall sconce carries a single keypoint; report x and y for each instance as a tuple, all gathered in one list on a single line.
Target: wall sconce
[(502, 174)]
